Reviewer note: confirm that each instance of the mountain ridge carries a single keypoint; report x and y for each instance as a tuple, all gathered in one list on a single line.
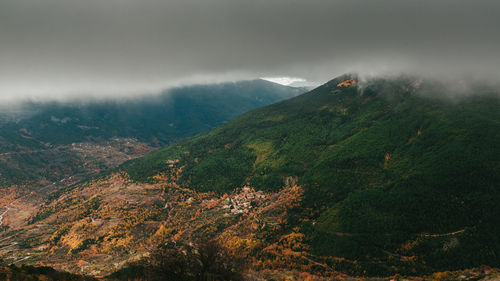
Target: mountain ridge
[(375, 180)]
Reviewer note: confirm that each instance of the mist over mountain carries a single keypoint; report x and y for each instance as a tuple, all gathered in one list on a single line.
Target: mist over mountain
[(61, 48)]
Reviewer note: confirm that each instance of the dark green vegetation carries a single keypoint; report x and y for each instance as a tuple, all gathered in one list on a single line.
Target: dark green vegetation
[(397, 176), (29, 143)]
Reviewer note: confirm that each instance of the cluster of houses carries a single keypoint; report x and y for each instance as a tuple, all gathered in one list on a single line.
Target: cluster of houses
[(242, 202)]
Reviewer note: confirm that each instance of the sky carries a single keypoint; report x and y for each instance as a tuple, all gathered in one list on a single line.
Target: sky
[(285, 80), (65, 48)]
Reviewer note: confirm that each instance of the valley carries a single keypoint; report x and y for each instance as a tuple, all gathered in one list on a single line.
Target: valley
[(346, 180)]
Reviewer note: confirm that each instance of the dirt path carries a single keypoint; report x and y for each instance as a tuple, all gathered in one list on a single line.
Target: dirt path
[(2, 214), (443, 234)]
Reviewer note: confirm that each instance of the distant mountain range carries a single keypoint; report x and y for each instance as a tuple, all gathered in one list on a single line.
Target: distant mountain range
[(384, 177), (164, 118), (36, 143)]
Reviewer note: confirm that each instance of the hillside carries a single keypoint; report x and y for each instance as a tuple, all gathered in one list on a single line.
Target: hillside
[(374, 178), (388, 168), (50, 141)]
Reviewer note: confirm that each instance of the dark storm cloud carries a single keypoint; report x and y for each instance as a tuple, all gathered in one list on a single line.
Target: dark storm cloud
[(50, 47)]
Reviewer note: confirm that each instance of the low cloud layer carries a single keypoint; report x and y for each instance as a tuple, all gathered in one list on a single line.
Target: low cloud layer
[(72, 48)]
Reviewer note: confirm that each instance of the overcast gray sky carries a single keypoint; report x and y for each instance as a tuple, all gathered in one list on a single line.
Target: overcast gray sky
[(90, 47)]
